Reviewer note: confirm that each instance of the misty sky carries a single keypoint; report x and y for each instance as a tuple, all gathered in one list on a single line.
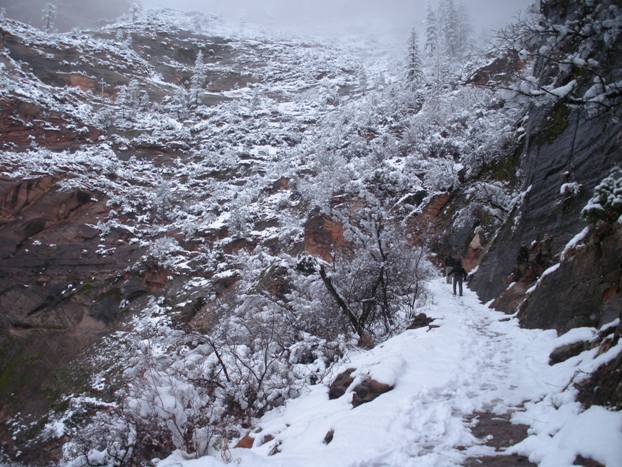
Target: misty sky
[(385, 17)]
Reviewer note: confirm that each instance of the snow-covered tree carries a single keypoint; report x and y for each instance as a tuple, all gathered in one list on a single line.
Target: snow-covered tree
[(198, 79), (465, 28), (180, 102), (451, 28), (414, 67), (431, 32), (49, 16), (135, 11)]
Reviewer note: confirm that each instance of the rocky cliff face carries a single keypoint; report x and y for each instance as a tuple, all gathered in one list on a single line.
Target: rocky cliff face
[(566, 151), (578, 151)]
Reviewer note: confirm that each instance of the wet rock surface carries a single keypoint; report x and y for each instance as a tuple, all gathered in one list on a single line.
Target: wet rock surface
[(498, 432)]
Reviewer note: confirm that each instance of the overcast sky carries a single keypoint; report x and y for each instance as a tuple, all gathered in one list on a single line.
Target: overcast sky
[(338, 16)]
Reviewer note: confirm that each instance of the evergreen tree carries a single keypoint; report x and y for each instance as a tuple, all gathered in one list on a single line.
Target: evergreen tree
[(135, 11), (180, 103), (49, 16), (431, 32), (451, 28), (465, 28), (414, 71), (198, 79)]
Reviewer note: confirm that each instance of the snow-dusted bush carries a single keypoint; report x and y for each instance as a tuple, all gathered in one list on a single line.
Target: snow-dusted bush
[(606, 202), (375, 284), (163, 250)]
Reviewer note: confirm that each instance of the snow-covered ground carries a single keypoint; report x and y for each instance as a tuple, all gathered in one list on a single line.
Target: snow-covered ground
[(476, 360)]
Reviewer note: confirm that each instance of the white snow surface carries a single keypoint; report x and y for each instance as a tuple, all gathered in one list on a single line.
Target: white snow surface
[(477, 360)]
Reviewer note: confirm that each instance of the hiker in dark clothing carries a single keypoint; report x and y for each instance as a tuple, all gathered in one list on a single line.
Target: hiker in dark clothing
[(459, 275), (450, 264)]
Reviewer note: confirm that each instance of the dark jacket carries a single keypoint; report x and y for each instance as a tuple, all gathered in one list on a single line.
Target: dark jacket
[(458, 272)]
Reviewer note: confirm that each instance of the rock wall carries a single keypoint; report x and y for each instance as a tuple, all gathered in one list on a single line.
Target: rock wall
[(61, 287), (574, 151)]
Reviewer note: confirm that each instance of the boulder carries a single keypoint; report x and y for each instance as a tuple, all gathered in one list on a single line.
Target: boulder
[(368, 390), (341, 384), (246, 442), (421, 320), (563, 353)]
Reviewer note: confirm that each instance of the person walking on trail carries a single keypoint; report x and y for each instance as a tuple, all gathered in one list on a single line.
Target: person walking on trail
[(459, 275), (450, 264)]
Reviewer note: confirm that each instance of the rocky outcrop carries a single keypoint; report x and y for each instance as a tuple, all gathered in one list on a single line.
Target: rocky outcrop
[(604, 387), (564, 352), (500, 70), (341, 384), (59, 292), (246, 442), (23, 124), (323, 236), (421, 320), (586, 289)]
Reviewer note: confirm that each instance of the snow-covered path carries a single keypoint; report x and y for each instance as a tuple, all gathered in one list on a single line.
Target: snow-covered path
[(476, 360)]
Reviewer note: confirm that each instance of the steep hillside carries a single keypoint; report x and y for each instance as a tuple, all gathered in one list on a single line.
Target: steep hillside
[(131, 206)]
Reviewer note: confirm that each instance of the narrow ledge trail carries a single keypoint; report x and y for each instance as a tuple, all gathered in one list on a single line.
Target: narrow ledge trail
[(478, 361)]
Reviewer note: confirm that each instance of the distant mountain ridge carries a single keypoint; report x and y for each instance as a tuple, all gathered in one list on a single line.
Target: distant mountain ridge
[(70, 13)]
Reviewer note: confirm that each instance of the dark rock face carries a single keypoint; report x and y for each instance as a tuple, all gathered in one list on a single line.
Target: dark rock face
[(58, 295), (577, 151), (341, 384), (367, 391), (23, 123)]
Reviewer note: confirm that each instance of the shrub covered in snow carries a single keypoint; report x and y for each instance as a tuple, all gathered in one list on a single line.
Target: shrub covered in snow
[(606, 202)]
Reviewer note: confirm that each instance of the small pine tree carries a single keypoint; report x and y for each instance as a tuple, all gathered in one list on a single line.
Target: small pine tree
[(198, 79), (414, 72), (49, 16), (363, 80), (179, 103)]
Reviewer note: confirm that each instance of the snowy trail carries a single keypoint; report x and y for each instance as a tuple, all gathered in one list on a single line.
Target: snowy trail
[(477, 360)]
